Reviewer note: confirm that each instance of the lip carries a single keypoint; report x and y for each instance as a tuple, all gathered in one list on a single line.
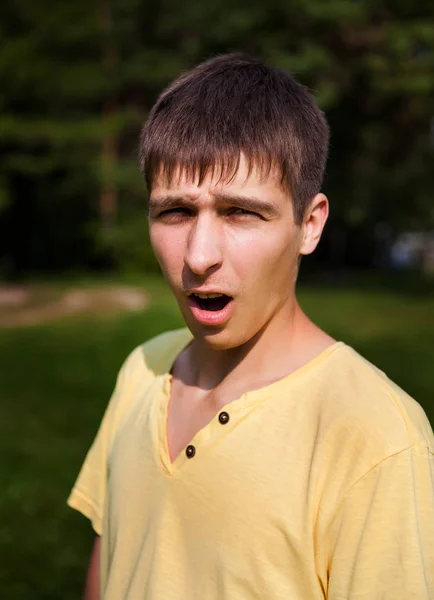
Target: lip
[(202, 291), (210, 317)]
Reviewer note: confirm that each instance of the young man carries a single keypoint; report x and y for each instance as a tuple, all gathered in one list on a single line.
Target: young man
[(251, 456)]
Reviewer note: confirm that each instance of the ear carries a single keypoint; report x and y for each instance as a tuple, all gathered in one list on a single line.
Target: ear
[(313, 224)]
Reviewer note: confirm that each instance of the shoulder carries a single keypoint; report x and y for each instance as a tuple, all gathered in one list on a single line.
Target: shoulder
[(155, 356), (361, 416), (141, 368), (358, 420), (159, 352), (367, 393)]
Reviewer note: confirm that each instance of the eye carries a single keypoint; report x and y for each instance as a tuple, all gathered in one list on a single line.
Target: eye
[(242, 212), (179, 209), (175, 213)]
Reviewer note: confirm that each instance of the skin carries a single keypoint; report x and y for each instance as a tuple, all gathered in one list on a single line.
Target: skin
[(240, 238), (237, 237), (91, 590)]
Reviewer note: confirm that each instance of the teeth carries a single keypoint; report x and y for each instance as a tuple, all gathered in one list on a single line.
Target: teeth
[(205, 296)]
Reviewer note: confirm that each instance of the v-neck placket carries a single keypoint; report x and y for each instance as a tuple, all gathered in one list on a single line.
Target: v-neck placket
[(220, 425), (236, 410)]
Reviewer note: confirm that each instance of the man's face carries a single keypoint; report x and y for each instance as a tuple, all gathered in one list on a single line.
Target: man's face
[(236, 238)]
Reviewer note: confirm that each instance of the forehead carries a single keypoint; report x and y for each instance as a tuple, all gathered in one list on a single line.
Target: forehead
[(245, 179)]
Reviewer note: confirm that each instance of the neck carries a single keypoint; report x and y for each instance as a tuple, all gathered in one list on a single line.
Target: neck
[(285, 344)]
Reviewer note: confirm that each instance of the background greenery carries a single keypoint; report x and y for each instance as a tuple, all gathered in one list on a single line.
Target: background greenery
[(57, 378), (77, 79)]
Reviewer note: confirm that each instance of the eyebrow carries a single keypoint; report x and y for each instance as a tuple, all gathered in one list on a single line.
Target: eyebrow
[(249, 203), (167, 202)]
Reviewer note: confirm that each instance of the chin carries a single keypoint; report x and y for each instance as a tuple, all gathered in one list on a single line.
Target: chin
[(219, 338)]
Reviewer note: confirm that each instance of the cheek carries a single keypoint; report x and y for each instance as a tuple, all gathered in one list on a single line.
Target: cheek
[(264, 255), (167, 247)]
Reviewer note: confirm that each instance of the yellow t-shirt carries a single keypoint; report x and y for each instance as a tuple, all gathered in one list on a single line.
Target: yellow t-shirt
[(320, 485)]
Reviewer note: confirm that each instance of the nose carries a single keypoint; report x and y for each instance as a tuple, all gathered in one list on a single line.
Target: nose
[(204, 245)]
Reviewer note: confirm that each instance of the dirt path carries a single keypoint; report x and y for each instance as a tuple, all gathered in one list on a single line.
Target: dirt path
[(30, 305)]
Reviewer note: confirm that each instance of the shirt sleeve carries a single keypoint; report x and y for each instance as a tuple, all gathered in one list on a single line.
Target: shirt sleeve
[(88, 493), (382, 538)]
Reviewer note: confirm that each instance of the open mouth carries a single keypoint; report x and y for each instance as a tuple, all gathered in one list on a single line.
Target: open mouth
[(211, 302)]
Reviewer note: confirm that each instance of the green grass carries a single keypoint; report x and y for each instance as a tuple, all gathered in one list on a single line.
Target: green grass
[(56, 380)]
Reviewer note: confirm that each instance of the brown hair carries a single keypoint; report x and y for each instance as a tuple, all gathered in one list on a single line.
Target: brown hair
[(235, 104)]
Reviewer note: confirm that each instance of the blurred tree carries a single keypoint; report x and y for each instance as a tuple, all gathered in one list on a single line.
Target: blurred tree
[(77, 78), (109, 152)]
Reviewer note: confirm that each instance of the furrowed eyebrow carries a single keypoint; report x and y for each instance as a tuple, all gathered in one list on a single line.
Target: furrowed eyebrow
[(167, 202), (249, 203)]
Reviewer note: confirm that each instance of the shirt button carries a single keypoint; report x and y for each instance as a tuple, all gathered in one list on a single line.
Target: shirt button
[(190, 451), (223, 417)]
